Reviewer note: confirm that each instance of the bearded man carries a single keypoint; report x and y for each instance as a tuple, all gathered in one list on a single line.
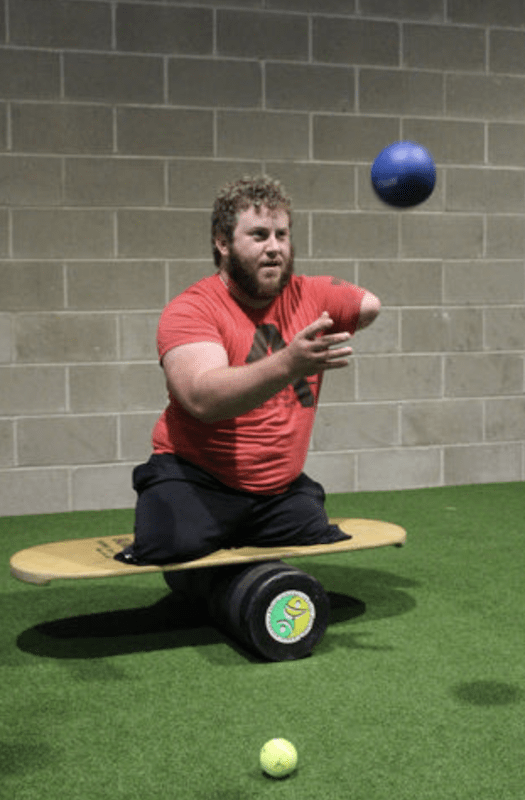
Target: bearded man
[(244, 352)]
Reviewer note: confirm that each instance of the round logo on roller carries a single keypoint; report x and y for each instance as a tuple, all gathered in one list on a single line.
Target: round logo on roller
[(290, 616)]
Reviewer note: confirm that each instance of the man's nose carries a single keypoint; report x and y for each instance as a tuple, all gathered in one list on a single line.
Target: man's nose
[(272, 244)]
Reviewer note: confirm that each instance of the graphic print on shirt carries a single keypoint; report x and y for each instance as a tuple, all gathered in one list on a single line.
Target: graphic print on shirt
[(267, 337)]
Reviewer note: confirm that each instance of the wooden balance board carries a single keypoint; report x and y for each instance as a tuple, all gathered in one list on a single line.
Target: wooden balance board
[(94, 557)]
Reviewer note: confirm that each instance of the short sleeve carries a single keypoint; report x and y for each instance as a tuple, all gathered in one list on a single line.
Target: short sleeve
[(340, 298), (190, 317)]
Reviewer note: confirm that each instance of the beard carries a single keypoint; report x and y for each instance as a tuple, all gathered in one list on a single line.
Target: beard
[(239, 272)]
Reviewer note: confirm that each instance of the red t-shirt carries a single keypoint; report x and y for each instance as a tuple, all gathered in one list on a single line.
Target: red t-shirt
[(264, 450)]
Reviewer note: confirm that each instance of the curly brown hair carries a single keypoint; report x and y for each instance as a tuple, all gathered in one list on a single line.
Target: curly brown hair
[(238, 196)]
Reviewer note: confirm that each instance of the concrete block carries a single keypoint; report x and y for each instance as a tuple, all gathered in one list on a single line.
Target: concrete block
[(311, 6), (102, 486), (382, 337), (483, 282), (505, 328), (354, 235), (352, 139), (355, 41), (6, 339), (245, 3), (113, 78), (53, 441), (396, 469), (138, 337), (345, 269), (194, 183), (32, 390), (403, 283), (505, 420), (217, 83), (485, 190), (164, 132), (117, 388), (3, 126), (449, 141), (31, 286), (114, 182), (483, 375), (163, 234), (441, 330), (316, 186), (430, 10), (98, 285), (29, 74), (507, 49), (485, 97), (62, 233), (336, 472), (63, 338), (506, 144), (164, 29), (4, 234), (441, 422), (399, 377), (249, 34), (94, 388), (310, 88), (67, 128), (143, 388), (434, 236), (135, 436), (30, 181), (60, 24), (339, 385), (255, 135), (355, 426), (505, 236), (482, 463), (34, 491), (301, 234), (7, 444), (504, 13), (444, 48), (401, 92), (182, 274)]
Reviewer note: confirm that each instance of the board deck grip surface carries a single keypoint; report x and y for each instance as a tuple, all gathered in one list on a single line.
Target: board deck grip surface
[(94, 557)]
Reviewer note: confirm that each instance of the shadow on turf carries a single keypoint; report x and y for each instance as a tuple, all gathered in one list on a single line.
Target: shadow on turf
[(162, 625), (487, 693)]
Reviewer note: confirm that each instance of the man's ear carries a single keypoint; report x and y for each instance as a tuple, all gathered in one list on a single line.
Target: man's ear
[(221, 243)]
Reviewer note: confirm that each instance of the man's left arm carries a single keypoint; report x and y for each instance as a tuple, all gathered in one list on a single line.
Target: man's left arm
[(368, 311)]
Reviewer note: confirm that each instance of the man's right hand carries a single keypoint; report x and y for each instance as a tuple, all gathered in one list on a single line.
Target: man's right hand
[(312, 351), (200, 378)]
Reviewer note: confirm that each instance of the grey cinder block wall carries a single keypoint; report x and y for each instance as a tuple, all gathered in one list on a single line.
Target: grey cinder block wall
[(118, 122)]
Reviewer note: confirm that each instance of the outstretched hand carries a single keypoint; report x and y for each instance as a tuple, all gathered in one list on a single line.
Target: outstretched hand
[(312, 351)]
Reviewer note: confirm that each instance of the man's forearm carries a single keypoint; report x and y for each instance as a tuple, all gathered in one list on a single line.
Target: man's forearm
[(228, 392)]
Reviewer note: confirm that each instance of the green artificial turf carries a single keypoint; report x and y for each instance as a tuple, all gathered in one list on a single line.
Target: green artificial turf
[(416, 691)]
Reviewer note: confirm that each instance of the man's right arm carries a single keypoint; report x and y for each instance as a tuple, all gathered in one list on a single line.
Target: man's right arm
[(200, 378)]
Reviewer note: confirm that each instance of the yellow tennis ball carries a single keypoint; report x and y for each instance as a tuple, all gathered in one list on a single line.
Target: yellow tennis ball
[(278, 758)]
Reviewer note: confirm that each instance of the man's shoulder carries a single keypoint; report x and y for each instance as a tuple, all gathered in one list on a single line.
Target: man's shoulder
[(308, 283), (208, 285), (314, 283), (195, 294)]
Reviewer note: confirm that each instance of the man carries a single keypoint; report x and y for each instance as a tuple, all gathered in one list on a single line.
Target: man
[(244, 352)]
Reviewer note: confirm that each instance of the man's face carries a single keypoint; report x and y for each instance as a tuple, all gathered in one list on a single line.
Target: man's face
[(260, 258)]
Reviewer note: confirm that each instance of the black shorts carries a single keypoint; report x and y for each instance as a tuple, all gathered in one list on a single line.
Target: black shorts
[(184, 513)]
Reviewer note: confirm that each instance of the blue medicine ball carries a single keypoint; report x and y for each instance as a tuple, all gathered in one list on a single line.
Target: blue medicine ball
[(404, 174)]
